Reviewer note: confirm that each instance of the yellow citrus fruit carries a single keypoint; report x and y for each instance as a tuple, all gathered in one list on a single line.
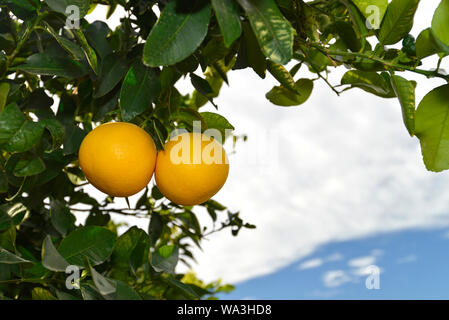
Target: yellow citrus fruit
[(191, 169), (118, 158)]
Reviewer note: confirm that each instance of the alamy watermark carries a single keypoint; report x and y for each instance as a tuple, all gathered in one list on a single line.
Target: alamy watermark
[(372, 281)]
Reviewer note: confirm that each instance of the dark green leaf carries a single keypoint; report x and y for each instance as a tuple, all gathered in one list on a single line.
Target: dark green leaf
[(61, 217), (29, 167), (140, 88), (17, 134), (4, 90), (42, 294), (155, 228), (177, 34), (43, 64), (94, 242), (185, 289), (202, 86), (274, 33), (228, 19), (131, 249), (113, 69), (104, 285)]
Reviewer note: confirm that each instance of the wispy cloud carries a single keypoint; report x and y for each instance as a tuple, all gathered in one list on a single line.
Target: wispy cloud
[(310, 264), (335, 278), (407, 259)]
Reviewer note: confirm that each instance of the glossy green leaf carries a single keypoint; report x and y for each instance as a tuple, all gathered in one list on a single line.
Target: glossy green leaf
[(97, 33), (113, 69), (51, 259), (61, 217), (4, 90), (202, 86), (274, 33), (440, 22), (57, 132), (139, 89), (228, 19), (185, 289), (177, 33), (284, 97), (372, 82), (43, 64), (131, 249), (432, 128), (165, 258), (17, 134), (155, 226), (62, 6), (218, 122), (94, 242), (398, 21), (250, 53), (405, 91), (29, 167)]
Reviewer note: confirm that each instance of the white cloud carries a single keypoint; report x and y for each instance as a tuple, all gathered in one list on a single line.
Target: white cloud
[(362, 261), (334, 257), (335, 278), (336, 168), (310, 264), (407, 259)]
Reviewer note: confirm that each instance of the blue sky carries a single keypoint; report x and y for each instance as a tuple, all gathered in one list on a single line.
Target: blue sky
[(414, 265)]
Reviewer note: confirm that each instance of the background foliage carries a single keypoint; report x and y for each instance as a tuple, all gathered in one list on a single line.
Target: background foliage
[(95, 75)]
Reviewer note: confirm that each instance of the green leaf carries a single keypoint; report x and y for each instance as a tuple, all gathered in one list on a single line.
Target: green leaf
[(51, 259), (282, 75), (218, 122), (398, 21), (131, 249), (274, 33), (57, 132), (21, 9), (113, 69), (428, 44), (97, 33), (61, 6), (177, 34), (42, 294), (370, 7), (91, 56), (250, 53), (7, 257), (372, 82), (16, 213), (3, 182), (202, 86), (440, 20), (185, 289), (4, 91), (73, 139), (155, 226), (284, 97), (124, 292), (405, 90), (432, 128), (165, 259), (29, 167), (228, 19), (44, 64), (139, 89), (17, 134), (103, 284), (61, 217), (94, 242), (72, 48)]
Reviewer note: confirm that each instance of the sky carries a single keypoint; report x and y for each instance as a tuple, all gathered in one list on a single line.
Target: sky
[(334, 186)]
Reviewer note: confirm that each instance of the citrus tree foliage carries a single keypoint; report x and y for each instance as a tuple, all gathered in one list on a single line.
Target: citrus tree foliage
[(93, 74)]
